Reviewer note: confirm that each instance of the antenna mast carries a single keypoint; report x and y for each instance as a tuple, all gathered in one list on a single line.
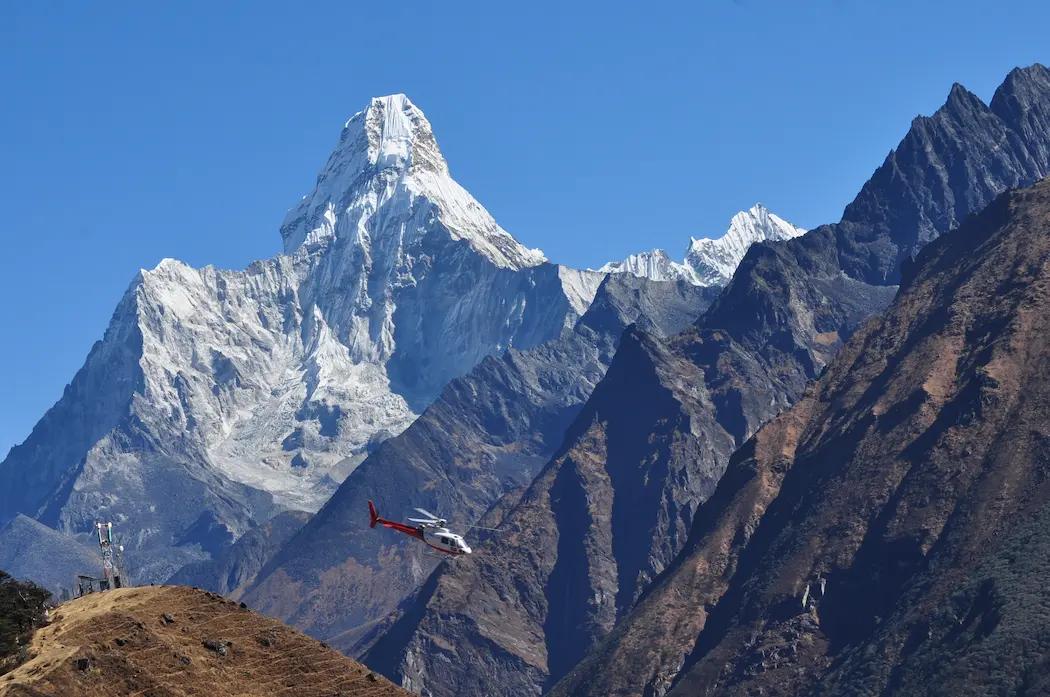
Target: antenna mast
[(111, 570)]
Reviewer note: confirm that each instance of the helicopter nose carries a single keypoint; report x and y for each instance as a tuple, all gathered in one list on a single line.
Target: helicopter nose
[(466, 549)]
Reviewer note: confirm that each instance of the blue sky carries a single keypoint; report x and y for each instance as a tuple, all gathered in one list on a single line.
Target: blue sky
[(134, 131)]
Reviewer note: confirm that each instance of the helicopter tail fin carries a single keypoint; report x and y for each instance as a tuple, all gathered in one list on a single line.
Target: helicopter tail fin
[(372, 515)]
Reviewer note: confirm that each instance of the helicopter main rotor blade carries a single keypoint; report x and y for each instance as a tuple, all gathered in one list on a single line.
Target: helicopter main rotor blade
[(429, 514), (482, 527), (426, 521)]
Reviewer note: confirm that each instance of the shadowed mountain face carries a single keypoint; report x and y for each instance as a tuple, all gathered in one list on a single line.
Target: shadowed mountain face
[(489, 432), (31, 550), (603, 518), (794, 303), (787, 312), (233, 570), (949, 165), (888, 533)]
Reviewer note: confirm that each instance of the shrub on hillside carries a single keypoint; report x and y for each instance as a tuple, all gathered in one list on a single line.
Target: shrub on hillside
[(22, 610)]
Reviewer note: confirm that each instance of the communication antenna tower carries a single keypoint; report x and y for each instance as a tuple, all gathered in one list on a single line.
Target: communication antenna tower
[(112, 556)]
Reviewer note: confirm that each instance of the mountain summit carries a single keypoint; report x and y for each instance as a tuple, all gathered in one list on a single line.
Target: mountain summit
[(251, 392), (714, 260), (711, 262), (387, 162)]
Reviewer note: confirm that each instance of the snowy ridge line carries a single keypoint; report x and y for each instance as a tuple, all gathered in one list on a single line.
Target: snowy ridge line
[(393, 139), (710, 262)]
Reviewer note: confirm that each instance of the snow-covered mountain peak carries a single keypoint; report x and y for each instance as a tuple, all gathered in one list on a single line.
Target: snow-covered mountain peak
[(755, 224), (715, 260), (387, 164), (711, 261), (395, 134), (252, 391)]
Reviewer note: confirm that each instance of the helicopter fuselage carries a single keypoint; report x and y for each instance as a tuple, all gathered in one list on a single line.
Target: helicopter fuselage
[(433, 534), (444, 540)]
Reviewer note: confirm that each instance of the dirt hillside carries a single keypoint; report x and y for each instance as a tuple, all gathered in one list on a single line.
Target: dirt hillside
[(174, 641)]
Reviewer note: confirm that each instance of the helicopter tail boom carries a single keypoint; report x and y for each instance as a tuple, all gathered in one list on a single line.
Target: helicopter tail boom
[(374, 520)]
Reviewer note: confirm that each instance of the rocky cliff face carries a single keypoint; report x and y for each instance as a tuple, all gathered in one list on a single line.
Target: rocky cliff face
[(948, 166), (794, 303), (488, 433), (218, 398), (886, 534)]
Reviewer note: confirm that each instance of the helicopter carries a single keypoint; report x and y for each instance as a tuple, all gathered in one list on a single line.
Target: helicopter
[(431, 530)]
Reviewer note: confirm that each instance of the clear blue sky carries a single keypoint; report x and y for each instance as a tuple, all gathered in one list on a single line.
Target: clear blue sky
[(134, 131)]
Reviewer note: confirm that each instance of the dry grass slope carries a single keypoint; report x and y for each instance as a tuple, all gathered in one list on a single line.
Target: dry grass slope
[(173, 641)]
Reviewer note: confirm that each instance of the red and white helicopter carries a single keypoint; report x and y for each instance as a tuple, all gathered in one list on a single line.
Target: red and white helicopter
[(431, 530)]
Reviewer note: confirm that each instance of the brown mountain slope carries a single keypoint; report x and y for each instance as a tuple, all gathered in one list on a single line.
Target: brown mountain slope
[(584, 540), (173, 641), (888, 534)]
